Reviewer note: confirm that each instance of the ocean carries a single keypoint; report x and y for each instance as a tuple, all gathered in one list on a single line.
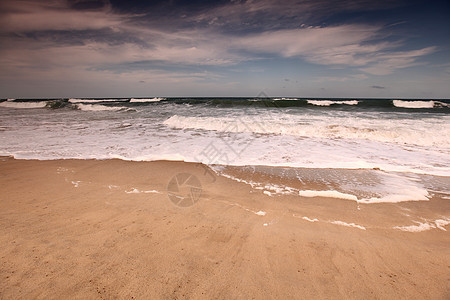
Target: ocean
[(375, 150)]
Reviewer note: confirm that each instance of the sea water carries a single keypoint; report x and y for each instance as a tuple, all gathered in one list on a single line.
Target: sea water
[(400, 147)]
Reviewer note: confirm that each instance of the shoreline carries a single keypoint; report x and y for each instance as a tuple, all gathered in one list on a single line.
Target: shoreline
[(109, 228)]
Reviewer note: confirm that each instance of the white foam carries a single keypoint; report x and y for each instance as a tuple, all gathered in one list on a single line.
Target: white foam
[(424, 226), (394, 188), (260, 213), (96, 100), (441, 223), (268, 189), (151, 157), (76, 183), (416, 228), (97, 107), (413, 104), (310, 220), (13, 104), (416, 194), (327, 194), (329, 102), (400, 132), (341, 223), (156, 99), (391, 188), (137, 191)]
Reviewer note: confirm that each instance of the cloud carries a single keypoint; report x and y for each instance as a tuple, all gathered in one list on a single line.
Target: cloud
[(51, 36), (24, 15), (340, 78), (387, 63)]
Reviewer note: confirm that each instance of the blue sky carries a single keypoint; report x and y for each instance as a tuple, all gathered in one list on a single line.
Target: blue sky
[(302, 48)]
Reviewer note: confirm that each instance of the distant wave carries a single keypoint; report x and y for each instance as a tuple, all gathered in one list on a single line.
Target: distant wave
[(95, 100), (418, 104), (156, 99), (329, 102), (97, 107), (13, 104)]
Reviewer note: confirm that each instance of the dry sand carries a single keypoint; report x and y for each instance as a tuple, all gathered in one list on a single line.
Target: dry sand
[(69, 229)]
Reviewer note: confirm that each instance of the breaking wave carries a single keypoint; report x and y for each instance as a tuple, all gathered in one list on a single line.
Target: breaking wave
[(98, 107), (13, 104), (329, 102), (418, 104), (380, 131), (139, 100)]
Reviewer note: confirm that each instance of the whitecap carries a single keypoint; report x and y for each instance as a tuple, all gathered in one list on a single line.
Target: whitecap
[(138, 100), (413, 104), (330, 102), (97, 107), (14, 104)]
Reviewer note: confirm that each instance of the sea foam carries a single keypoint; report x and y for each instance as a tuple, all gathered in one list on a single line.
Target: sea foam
[(98, 107), (327, 194), (14, 104), (95, 100), (323, 126), (137, 100), (329, 102), (341, 223), (417, 104), (424, 226)]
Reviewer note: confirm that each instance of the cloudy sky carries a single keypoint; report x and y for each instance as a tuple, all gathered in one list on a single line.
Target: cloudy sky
[(303, 48)]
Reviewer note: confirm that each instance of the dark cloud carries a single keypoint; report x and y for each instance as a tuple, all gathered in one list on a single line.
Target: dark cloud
[(88, 4), (82, 37), (371, 38), (245, 16)]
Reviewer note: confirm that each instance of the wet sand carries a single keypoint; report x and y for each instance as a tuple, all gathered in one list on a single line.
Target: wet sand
[(113, 229)]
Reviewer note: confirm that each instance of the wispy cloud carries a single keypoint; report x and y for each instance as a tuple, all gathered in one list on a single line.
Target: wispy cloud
[(25, 15), (53, 37), (387, 63)]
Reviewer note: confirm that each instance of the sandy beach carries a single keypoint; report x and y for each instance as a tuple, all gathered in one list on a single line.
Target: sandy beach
[(113, 229)]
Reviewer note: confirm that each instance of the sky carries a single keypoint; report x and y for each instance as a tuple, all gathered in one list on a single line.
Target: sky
[(180, 48)]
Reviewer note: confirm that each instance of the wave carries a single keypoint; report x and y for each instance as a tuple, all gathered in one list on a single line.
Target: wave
[(330, 102), (413, 104), (13, 104), (341, 104), (73, 100), (321, 127), (419, 104), (98, 107), (288, 99), (391, 188), (138, 100)]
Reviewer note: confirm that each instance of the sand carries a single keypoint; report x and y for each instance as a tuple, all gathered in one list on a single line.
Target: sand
[(108, 229)]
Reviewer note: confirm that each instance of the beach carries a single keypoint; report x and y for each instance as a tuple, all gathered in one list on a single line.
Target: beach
[(251, 149), (115, 229)]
